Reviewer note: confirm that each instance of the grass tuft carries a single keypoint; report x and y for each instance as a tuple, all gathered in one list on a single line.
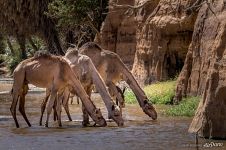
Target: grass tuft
[(158, 93), (186, 107), (163, 93)]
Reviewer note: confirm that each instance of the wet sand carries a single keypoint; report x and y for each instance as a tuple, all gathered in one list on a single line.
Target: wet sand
[(139, 132)]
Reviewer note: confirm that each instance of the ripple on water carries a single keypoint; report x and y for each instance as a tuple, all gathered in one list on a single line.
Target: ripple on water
[(139, 132)]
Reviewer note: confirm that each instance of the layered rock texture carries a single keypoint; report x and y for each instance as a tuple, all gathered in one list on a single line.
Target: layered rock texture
[(163, 41), (168, 36), (153, 39), (204, 72), (118, 32)]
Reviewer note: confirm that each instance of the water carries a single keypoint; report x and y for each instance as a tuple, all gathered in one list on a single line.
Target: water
[(139, 132)]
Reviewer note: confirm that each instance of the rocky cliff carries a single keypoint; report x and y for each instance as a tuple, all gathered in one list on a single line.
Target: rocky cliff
[(154, 39), (205, 69), (118, 32), (187, 35), (163, 41)]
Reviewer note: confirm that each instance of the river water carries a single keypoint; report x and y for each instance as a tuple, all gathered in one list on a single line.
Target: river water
[(139, 132)]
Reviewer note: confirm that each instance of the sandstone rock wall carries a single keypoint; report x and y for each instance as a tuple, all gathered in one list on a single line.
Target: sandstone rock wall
[(171, 37), (163, 41), (118, 32), (204, 72)]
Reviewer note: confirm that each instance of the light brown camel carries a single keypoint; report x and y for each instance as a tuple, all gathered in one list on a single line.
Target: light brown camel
[(112, 70), (89, 76), (50, 72)]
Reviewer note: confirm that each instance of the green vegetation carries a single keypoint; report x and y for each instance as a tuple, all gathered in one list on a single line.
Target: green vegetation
[(83, 18), (12, 52), (13, 61), (162, 93), (186, 107), (158, 93), (2, 44)]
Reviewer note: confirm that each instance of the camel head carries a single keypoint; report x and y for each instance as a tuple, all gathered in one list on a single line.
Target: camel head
[(116, 115), (72, 55), (149, 110), (98, 118)]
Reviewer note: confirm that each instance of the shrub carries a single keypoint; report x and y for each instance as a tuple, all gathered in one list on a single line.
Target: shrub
[(158, 93), (186, 107), (13, 62)]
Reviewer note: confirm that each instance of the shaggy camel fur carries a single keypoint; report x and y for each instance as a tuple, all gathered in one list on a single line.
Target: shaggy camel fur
[(50, 72), (88, 76), (112, 70)]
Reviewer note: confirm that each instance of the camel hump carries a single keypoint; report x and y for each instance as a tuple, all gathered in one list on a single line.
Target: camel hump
[(42, 53), (90, 45)]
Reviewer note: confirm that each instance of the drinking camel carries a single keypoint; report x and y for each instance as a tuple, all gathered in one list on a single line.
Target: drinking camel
[(53, 73), (88, 76), (112, 70)]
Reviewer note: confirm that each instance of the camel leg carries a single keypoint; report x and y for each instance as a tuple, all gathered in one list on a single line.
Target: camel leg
[(58, 107), (53, 97), (22, 110), (13, 108), (65, 103), (77, 100), (43, 106), (114, 91), (55, 111), (84, 111), (85, 121), (71, 98)]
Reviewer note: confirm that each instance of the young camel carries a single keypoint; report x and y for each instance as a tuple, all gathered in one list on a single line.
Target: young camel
[(54, 74), (112, 70), (88, 76)]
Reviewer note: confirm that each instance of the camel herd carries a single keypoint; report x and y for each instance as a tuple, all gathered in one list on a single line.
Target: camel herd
[(77, 73)]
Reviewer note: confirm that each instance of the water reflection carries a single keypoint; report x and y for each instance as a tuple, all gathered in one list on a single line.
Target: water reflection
[(139, 132)]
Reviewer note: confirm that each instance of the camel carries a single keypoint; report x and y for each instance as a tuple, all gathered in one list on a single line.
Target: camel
[(120, 91), (112, 70), (53, 73), (88, 76)]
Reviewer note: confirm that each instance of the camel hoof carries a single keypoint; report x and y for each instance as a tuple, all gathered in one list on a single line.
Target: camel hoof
[(46, 125)]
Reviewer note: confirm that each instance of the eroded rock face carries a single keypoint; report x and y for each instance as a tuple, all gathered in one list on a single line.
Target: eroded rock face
[(204, 72), (118, 32), (163, 41)]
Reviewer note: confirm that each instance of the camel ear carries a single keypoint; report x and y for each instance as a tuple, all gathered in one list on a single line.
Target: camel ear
[(113, 107)]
